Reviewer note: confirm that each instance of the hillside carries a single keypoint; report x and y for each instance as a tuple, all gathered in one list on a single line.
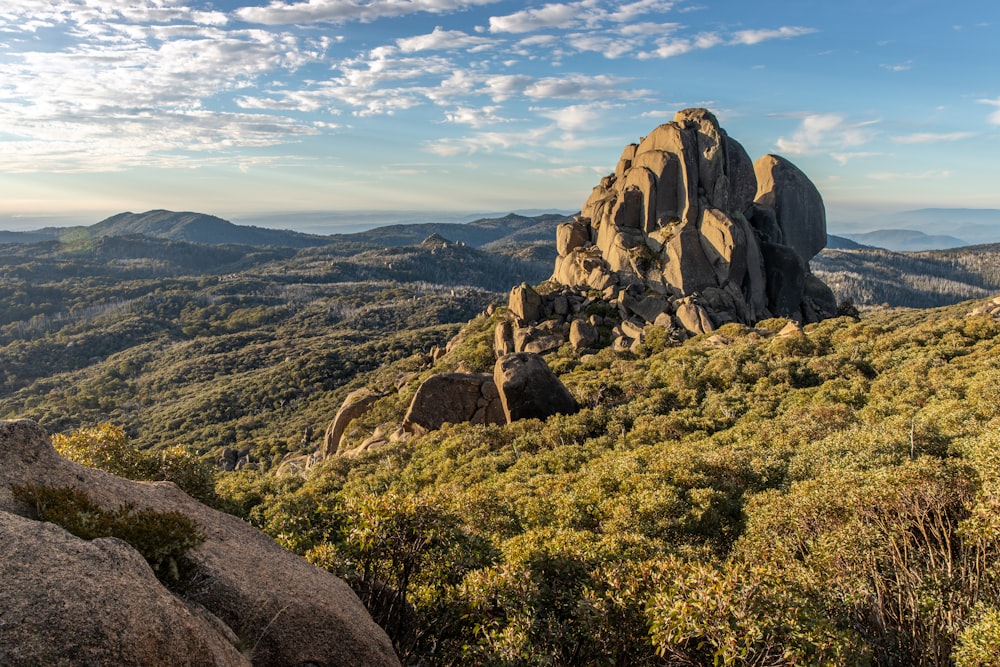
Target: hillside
[(223, 345), (782, 475), (198, 228), (818, 497), (877, 277)]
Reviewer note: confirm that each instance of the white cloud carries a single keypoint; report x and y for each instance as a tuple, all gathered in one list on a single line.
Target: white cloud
[(484, 142), (818, 133), (610, 46), (758, 36), (647, 29), (441, 39), (993, 118), (553, 15), (901, 67), (844, 158), (345, 11), (576, 117), (580, 86), (628, 13), (504, 86), (475, 117), (931, 137), (671, 47)]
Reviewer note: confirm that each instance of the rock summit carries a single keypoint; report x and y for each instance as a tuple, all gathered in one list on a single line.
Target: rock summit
[(689, 226)]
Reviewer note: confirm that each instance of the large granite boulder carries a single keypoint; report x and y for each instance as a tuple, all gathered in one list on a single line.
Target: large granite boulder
[(69, 601), (283, 609), (686, 213), (454, 398), (797, 204), (529, 389)]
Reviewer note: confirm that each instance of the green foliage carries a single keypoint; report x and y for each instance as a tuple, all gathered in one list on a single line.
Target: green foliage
[(108, 448), (977, 645), (405, 557), (744, 614), (162, 538), (829, 497)]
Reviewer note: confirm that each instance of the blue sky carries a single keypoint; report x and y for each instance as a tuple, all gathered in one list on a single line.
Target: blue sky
[(241, 107)]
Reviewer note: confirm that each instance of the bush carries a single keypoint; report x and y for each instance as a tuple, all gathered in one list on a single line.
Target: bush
[(107, 448), (162, 538)]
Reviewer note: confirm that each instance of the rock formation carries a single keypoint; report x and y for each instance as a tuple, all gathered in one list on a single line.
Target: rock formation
[(69, 601), (522, 386), (990, 308), (529, 389), (687, 233), (356, 404), (454, 398)]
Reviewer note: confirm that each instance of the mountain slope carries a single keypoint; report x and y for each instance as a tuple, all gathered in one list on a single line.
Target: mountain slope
[(873, 276), (511, 228)]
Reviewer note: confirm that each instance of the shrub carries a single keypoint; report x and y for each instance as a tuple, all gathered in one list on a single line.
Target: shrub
[(107, 447), (162, 538)]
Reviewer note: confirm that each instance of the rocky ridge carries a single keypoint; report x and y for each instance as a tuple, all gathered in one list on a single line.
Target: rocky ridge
[(686, 235)]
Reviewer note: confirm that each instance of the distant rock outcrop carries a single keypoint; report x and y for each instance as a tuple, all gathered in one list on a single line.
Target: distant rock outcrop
[(991, 309), (689, 220), (69, 601)]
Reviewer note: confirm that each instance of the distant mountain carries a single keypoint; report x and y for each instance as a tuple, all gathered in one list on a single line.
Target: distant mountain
[(974, 225), (841, 243), (902, 240), (190, 227), (511, 228), (200, 228)]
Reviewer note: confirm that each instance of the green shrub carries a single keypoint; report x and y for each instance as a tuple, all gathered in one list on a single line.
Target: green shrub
[(977, 644), (162, 538), (107, 447)]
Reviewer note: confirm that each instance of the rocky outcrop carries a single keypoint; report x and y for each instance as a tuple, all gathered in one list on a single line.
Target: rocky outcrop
[(356, 404), (990, 309), (529, 389), (689, 219), (283, 609), (454, 398)]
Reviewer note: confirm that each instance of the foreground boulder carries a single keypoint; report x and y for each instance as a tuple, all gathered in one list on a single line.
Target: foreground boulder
[(282, 609), (70, 601)]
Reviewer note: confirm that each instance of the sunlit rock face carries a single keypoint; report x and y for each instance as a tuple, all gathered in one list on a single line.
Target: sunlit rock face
[(688, 217)]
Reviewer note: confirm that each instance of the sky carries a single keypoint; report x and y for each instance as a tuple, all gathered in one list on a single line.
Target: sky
[(255, 108)]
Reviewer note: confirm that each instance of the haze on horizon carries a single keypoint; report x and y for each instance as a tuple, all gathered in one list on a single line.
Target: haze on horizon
[(243, 109)]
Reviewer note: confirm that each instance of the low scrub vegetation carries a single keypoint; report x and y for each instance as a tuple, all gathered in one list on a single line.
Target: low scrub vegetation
[(742, 499)]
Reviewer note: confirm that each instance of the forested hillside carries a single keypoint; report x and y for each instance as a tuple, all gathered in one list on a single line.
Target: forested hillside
[(744, 498), (925, 279), (214, 346)]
